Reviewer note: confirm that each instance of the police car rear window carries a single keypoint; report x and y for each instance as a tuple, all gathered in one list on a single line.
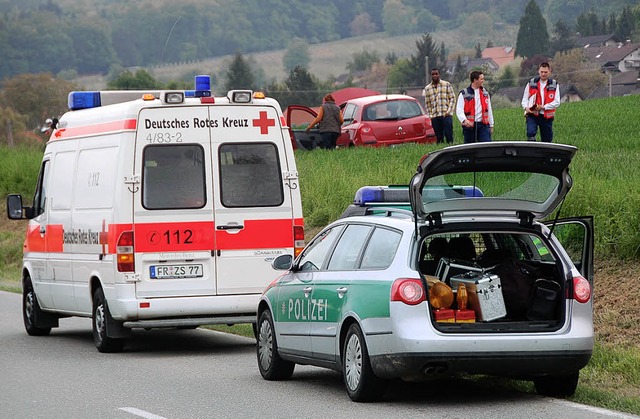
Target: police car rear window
[(250, 175), (173, 177)]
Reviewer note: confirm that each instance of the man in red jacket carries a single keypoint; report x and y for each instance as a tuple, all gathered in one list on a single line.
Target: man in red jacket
[(540, 100)]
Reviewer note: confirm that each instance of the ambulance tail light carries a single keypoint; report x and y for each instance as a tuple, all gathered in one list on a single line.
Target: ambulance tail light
[(298, 240), (408, 290), (124, 252)]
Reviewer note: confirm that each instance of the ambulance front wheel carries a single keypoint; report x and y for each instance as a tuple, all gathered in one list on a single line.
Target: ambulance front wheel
[(31, 312), (101, 318)]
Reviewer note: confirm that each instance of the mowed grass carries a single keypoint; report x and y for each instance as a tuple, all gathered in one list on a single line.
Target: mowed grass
[(606, 173)]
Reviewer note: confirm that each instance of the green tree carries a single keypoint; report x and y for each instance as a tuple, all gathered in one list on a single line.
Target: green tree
[(362, 24), (478, 50), (36, 96), (239, 74), (573, 67), (297, 54), (426, 48), (397, 18), (508, 78), (362, 60), (563, 39), (626, 24), (533, 37), (127, 80), (301, 87), (587, 24)]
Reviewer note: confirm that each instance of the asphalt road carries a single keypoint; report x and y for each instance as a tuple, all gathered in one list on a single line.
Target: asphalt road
[(204, 374)]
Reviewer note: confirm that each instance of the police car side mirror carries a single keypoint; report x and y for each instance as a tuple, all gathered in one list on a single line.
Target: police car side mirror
[(282, 263), (14, 207)]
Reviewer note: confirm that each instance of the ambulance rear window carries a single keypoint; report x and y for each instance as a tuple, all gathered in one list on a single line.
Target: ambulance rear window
[(250, 175), (173, 177)]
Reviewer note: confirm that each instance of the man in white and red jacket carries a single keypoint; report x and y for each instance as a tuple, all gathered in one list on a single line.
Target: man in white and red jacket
[(540, 100)]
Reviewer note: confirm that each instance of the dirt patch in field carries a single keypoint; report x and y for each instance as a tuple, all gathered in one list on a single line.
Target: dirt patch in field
[(616, 302)]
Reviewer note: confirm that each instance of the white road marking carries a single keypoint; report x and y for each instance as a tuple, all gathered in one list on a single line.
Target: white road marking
[(593, 409), (141, 413)]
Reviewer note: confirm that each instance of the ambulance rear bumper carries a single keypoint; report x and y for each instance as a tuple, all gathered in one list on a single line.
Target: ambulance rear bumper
[(184, 311)]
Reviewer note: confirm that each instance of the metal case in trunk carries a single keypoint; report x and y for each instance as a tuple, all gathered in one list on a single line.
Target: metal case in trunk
[(485, 294)]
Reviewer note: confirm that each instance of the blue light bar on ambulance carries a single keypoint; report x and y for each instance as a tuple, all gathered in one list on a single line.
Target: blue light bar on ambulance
[(83, 100), (203, 86)]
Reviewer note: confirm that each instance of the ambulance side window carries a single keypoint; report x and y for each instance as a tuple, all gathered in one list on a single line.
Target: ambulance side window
[(173, 177), (40, 197), (250, 175)]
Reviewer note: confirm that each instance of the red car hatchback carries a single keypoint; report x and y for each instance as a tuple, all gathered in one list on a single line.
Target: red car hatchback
[(376, 121)]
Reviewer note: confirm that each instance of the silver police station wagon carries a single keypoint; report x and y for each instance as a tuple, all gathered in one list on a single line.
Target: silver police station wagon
[(454, 273)]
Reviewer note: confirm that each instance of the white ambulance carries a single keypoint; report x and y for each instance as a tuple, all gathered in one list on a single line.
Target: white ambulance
[(159, 209)]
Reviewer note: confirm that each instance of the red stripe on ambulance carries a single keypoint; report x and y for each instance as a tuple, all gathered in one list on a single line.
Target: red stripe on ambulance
[(96, 129)]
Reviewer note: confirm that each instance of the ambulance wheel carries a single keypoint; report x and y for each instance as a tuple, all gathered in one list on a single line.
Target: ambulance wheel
[(271, 366), (31, 311), (101, 318), (362, 384), (557, 386)]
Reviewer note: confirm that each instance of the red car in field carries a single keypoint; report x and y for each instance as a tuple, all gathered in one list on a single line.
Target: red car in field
[(376, 121)]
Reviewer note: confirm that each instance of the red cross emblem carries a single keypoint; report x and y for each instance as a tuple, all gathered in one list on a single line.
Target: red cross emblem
[(264, 123), (104, 238)]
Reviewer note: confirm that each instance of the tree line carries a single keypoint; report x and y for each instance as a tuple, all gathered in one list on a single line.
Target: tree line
[(66, 38)]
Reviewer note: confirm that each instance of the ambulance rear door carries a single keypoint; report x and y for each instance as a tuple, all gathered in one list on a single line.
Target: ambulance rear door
[(253, 190), (173, 209)]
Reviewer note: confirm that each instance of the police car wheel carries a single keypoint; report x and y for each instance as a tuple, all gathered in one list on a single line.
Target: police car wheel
[(362, 384), (31, 311), (271, 366), (557, 386), (100, 318)]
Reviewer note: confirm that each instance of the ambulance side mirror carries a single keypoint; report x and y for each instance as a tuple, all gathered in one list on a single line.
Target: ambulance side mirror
[(282, 263), (14, 207)]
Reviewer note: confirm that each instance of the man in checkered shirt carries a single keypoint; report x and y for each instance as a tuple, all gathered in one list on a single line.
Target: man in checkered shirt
[(440, 102)]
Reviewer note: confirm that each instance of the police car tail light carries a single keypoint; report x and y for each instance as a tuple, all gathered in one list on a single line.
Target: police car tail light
[(298, 240), (581, 289), (408, 290), (124, 252)]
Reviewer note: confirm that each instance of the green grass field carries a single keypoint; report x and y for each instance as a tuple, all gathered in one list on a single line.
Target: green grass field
[(606, 172)]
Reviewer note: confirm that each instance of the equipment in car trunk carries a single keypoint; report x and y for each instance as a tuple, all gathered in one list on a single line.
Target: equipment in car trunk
[(544, 300), (484, 292)]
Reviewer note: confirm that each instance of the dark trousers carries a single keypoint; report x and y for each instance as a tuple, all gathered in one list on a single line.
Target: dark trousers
[(328, 140), (478, 133), (443, 128), (545, 125)]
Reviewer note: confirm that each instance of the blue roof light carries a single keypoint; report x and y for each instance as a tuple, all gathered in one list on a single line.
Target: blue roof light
[(379, 194), (203, 86), (83, 100)]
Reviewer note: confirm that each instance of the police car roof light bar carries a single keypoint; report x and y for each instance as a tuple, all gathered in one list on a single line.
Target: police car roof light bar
[(378, 194)]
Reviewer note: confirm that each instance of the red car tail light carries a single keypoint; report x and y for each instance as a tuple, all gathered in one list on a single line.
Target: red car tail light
[(408, 290), (581, 289), (124, 252)]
